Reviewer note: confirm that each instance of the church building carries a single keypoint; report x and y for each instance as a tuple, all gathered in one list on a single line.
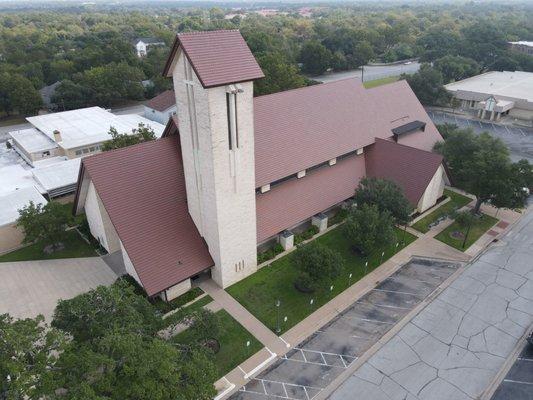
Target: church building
[(233, 171)]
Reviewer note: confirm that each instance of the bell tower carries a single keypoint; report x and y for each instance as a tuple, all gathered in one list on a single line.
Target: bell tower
[(213, 75)]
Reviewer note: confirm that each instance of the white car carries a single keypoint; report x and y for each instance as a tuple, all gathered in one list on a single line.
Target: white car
[(407, 63)]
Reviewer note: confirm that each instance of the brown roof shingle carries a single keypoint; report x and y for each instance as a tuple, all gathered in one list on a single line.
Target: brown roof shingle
[(142, 188), (163, 101), (297, 129), (293, 201), (217, 57), (410, 168)]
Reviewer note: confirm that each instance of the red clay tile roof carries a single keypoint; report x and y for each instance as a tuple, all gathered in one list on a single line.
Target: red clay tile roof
[(293, 201), (143, 190), (410, 168), (162, 101), (171, 128), (217, 57), (300, 128)]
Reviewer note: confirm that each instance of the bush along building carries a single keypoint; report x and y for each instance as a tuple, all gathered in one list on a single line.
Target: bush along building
[(233, 172)]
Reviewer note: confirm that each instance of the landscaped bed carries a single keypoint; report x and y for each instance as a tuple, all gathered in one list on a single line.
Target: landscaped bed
[(232, 339), (454, 235), (456, 202), (260, 291), (74, 247), (179, 301)]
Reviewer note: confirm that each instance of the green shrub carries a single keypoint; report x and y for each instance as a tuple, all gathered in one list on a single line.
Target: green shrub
[(305, 235), (318, 265), (269, 254), (164, 306)]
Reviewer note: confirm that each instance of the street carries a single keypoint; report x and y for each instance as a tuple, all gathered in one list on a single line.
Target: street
[(372, 72)]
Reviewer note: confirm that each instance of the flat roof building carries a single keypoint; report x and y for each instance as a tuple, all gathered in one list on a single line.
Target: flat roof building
[(522, 46), (74, 133), (495, 94)]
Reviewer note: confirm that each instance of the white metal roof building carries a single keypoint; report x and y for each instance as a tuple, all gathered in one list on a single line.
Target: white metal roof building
[(87, 126), (496, 93), (12, 202), (59, 178)]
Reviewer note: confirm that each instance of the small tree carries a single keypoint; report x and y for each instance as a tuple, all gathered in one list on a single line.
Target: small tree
[(368, 228), (118, 140), (386, 195), (44, 224), (318, 266), (28, 352)]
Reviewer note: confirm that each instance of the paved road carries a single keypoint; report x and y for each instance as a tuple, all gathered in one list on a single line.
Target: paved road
[(371, 72), (29, 288), (518, 139), (305, 370), (518, 383), (456, 345)]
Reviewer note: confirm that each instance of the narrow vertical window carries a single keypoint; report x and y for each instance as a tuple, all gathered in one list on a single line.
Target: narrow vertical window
[(228, 106), (236, 121)]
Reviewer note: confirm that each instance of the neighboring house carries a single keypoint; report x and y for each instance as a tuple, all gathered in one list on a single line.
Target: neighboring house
[(522, 47), (243, 171), (142, 45), (74, 133), (494, 94), (161, 107), (10, 235)]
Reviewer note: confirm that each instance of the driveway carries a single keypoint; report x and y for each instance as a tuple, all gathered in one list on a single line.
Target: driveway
[(29, 288), (519, 140), (455, 346), (311, 366)]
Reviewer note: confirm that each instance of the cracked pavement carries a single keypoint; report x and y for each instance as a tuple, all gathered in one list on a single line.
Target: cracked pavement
[(456, 345)]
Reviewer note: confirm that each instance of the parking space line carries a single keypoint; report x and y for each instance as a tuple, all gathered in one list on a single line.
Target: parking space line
[(479, 124), (384, 305), (525, 359), (395, 291), (520, 382), (521, 131), (508, 131)]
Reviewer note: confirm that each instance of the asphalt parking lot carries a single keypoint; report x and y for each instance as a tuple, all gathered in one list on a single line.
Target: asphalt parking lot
[(519, 140), (518, 383), (306, 369)]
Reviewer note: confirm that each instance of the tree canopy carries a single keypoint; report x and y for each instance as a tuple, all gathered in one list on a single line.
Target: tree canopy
[(480, 164), (318, 266), (368, 228), (118, 140), (386, 196)]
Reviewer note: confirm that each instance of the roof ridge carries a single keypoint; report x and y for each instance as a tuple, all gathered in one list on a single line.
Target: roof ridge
[(206, 32), (321, 84)]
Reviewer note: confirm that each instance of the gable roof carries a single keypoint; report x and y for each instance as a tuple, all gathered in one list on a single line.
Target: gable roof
[(410, 168), (163, 101), (298, 129), (217, 57), (142, 188)]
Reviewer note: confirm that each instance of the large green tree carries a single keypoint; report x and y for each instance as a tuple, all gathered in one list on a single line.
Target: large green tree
[(427, 84), (480, 164), (28, 353), (279, 75), (369, 229), (386, 196), (318, 266), (455, 68), (315, 57), (44, 224), (90, 316), (17, 93)]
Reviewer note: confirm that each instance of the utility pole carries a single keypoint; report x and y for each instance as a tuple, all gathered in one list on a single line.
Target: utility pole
[(362, 74)]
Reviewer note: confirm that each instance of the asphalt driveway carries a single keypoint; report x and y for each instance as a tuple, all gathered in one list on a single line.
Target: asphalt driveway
[(306, 369), (29, 288)]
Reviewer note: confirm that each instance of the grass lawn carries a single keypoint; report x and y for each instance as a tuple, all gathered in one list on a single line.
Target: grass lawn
[(232, 339), (379, 82), (75, 247), (456, 202), (478, 228), (259, 292)]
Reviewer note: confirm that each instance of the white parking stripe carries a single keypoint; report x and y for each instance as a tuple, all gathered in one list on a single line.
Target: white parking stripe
[(521, 382)]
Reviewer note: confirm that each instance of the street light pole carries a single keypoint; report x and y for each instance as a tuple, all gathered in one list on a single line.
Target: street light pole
[(278, 329), (466, 235)]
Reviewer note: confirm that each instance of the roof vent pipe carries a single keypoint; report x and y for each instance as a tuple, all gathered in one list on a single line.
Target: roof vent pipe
[(57, 136)]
